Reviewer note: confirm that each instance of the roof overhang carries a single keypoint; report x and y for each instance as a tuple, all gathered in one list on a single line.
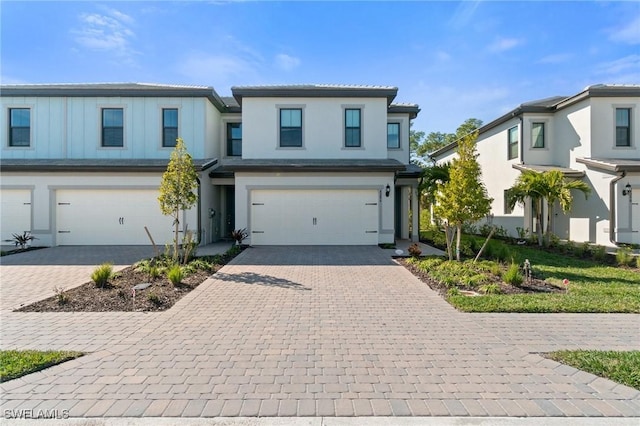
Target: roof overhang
[(612, 165), (567, 172), (314, 91), (307, 166), (94, 165)]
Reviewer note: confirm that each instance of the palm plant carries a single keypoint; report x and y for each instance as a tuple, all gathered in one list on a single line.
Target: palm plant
[(430, 178), (529, 186)]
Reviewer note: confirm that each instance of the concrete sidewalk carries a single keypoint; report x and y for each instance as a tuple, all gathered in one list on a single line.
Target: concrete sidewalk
[(317, 331)]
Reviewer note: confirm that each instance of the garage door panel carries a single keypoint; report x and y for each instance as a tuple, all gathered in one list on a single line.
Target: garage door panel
[(323, 217), (110, 217), (15, 212)]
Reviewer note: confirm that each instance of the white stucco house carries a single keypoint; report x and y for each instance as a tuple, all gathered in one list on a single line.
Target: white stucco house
[(594, 136), (301, 164)]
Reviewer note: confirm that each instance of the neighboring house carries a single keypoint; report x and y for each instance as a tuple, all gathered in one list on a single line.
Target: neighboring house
[(594, 136), (312, 164)]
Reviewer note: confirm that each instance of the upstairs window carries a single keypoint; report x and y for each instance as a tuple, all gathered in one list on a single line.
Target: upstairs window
[(393, 135), (623, 126), (291, 127), (537, 135), (19, 127), (234, 139), (352, 130), (512, 149), (169, 127), (112, 127)]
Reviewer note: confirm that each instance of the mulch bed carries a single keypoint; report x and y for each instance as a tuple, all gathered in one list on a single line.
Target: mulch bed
[(536, 285), (117, 295)]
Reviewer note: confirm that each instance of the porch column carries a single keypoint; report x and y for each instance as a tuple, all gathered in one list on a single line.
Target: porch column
[(404, 212), (415, 215)]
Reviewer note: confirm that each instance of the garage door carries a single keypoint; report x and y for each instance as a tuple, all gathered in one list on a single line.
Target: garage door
[(15, 212), (110, 217), (314, 217)]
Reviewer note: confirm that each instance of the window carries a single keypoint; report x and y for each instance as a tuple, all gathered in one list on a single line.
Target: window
[(393, 135), (352, 128), (505, 199), (19, 127), (623, 126), (234, 139), (513, 143), (112, 127), (537, 135), (169, 127), (291, 127)]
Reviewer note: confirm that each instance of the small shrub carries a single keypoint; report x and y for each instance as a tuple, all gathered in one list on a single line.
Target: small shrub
[(22, 240), (473, 281), (638, 262), (175, 274), (429, 264), (513, 276), (414, 250), (584, 250), (569, 247), (60, 295), (453, 291), (599, 253), (624, 256), (102, 274), (492, 288), (239, 235), (154, 298)]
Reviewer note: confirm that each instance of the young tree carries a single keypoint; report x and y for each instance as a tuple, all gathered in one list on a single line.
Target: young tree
[(529, 185), (463, 199), (558, 189), (177, 189)]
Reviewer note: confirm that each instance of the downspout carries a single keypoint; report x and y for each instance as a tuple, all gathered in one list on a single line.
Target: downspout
[(199, 211), (521, 139), (612, 207)]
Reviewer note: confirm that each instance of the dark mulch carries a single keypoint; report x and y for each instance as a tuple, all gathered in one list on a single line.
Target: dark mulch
[(536, 285), (20, 250), (117, 295)]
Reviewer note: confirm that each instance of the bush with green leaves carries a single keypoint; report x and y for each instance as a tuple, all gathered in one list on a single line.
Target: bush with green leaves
[(154, 298), (102, 274), (624, 256), (599, 253), (175, 274), (584, 250), (491, 288), (512, 275)]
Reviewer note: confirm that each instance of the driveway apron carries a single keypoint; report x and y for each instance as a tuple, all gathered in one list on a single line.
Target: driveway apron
[(317, 331)]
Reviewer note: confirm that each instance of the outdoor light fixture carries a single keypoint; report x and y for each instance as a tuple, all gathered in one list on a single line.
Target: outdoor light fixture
[(387, 191), (625, 191)]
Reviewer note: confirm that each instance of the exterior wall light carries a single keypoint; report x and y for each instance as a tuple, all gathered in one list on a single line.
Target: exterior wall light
[(625, 191), (387, 191)]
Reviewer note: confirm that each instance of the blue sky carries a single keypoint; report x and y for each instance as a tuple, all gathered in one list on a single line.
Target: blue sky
[(455, 59)]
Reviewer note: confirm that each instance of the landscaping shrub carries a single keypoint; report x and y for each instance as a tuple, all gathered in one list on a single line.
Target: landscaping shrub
[(175, 274), (101, 274), (638, 262), (512, 275), (414, 250), (429, 264), (492, 288), (584, 250), (154, 298), (624, 256), (599, 253)]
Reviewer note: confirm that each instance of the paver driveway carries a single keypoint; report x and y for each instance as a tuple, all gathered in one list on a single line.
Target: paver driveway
[(317, 331)]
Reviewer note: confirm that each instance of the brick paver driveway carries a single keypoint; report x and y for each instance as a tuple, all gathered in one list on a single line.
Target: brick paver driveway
[(317, 331)]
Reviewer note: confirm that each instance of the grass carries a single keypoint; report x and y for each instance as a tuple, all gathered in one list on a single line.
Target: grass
[(593, 287), (14, 364), (621, 367)]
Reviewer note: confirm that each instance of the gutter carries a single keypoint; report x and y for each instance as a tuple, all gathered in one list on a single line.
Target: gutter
[(612, 208), (199, 220), (521, 139)]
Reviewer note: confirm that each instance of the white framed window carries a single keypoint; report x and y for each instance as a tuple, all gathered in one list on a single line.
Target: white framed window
[(352, 127), (393, 135), (112, 128), (538, 135), (19, 127), (290, 127), (512, 143), (623, 127), (169, 127)]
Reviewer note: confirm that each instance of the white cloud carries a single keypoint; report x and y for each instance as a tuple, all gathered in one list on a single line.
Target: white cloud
[(217, 69), (286, 62), (629, 33), (464, 14), (623, 70), (107, 32), (557, 58), (442, 56), (504, 44)]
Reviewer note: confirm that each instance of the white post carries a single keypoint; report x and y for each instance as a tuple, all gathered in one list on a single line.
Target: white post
[(415, 216)]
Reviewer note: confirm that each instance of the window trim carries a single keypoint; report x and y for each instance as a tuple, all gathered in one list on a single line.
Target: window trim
[(101, 109), (630, 109), (280, 108), (162, 126), (544, 135), (512, 143), (9, 127), (229, 140), (345, 128), (399, 124)]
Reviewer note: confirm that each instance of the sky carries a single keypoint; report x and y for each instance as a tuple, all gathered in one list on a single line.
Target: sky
[(457, 60)]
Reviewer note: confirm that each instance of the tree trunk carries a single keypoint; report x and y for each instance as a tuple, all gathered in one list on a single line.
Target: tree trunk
[(458, 238), (548, 231), (493, 229), (539, 220), (447, 231), (175, 235)]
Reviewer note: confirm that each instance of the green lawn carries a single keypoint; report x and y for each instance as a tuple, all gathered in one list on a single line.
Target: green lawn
[(14, 364), (621, 367), (593, 287)]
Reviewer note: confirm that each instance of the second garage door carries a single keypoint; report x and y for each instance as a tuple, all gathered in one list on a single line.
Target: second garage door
[(110, 217), (314, 217), (15, 211)]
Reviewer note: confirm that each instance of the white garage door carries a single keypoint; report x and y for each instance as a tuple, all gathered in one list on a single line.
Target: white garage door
[(110, 217), (15, 212), (314, 217)]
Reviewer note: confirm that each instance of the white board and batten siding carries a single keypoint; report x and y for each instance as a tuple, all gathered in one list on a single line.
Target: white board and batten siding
[(110, 217), (15, 211), (314, 217)]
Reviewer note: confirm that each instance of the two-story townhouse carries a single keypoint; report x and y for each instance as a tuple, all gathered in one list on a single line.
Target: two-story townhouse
[(81, 164), (593, 136)]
